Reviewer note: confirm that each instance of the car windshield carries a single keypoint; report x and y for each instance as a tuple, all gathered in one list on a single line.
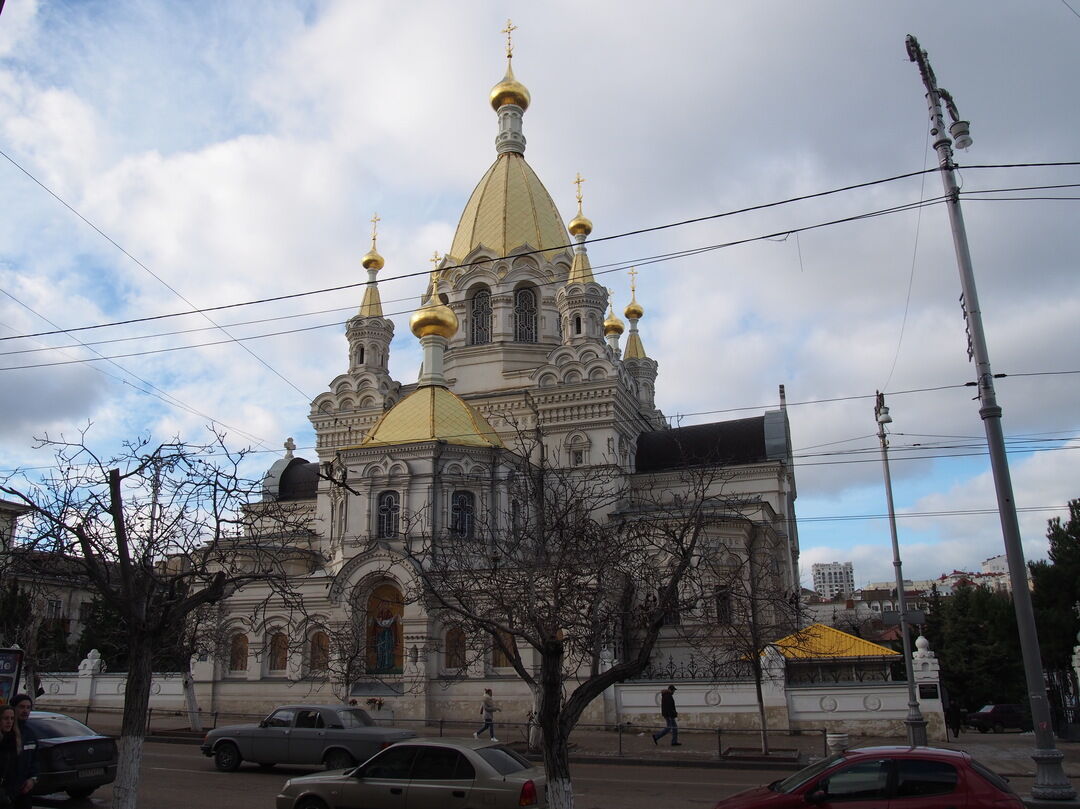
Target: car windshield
[(793, 782), (504, 760), (52, 727), (986, 709), (355, 718)]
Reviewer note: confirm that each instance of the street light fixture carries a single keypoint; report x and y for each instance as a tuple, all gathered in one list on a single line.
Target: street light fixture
[(1051, 783), (916, 724)]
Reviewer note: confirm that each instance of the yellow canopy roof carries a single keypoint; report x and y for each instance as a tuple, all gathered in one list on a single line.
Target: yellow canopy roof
[(432, 413), (819, 640)]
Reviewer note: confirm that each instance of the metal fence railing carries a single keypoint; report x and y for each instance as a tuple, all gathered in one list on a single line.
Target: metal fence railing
[(621, 740)]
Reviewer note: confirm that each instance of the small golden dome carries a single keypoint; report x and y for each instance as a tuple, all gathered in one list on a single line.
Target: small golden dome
[(434, 317), (633, 310), (510, 91), (372, 260), (613, 323), (579, 224)]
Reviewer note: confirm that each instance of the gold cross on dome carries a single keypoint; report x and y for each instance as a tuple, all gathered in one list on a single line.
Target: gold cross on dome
[(435, 259), (508, 30), (633, 277), (375, 220), (578, 181)]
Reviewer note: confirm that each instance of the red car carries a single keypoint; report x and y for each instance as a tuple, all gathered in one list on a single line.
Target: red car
[(893, 777)]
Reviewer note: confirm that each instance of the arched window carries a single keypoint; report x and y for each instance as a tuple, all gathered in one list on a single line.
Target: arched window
[(385, 642), (480, 318), (462, 517), (360, 355), (389, 514), (238, 653), (577, 324), (500, 659), (279, 652), (525, 315), (319, 652), (455, 648)]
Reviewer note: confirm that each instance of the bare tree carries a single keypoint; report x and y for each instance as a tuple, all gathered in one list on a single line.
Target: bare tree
[(159, 531), (571, 583)]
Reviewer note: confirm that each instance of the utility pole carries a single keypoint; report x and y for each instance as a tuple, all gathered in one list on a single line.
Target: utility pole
[(1051, 784), (916, 724)]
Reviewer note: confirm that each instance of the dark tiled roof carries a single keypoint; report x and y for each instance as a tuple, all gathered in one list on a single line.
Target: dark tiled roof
[(740, 441), (299, 481)]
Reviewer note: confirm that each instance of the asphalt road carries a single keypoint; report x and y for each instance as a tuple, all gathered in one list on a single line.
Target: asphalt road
[(177, 776)]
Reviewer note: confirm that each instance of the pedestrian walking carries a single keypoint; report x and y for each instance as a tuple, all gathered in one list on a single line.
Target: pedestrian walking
[(487, 710), (18, 766), (667, 710), (954, 719)]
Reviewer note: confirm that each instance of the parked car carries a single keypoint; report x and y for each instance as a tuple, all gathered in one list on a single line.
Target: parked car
[(444, 773), (897, 777), (999, 717), (71, 757), (335, 735)]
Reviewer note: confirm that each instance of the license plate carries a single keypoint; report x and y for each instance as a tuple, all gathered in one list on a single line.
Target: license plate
[(92, 773)]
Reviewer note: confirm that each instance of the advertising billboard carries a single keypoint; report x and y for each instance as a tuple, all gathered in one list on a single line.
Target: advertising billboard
[(10, 672)]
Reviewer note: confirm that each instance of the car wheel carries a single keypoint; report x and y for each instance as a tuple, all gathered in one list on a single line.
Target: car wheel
[(339, 760), (227, 757), (80, 793), (311, 803), (998, 727)]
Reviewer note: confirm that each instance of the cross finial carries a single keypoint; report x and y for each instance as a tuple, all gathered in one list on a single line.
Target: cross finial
[(290, 445), (435, 259), (509, 30), (578, 181), (374, 229), (633, 278)]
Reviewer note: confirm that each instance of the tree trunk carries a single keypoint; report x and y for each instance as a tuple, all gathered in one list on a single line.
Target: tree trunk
[(194, 719), (133, 730), (761, 711), (560, 791)]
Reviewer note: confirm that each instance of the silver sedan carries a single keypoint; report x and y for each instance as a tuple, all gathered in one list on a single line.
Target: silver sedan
[(425, 774)]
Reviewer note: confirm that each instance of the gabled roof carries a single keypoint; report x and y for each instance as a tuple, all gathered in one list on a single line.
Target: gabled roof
[(821, 641)]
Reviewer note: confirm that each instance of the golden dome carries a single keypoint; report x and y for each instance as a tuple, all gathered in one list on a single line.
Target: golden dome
[(579, 224), (509, 208), (509, 91), (432, 413), (434, 317), (612, 323), (634, 310), (372, 260)]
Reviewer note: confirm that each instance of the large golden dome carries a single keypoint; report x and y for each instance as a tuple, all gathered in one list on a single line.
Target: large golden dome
[(613, 323), (432, 413), (634, 310), (508, 209), (510, 91), (434, 317), (372, 260)]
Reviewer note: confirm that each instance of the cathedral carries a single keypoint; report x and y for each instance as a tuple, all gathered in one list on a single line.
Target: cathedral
[(518, 336)]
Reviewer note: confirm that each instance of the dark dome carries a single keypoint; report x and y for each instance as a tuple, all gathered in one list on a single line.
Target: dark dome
[(299, 481)]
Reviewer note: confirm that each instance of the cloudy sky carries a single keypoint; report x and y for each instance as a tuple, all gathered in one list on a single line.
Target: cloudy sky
[(218, 153)]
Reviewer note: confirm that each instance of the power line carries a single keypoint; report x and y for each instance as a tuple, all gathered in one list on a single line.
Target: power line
[(640, 231)]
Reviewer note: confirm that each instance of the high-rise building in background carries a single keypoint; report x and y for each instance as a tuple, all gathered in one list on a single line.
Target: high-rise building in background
[(833, 579)]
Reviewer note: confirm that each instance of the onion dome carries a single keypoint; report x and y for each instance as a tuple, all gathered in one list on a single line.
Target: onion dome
[(634, 310), (509, 91), (372, 260), (613, 323), (434, 317), (579, 225)]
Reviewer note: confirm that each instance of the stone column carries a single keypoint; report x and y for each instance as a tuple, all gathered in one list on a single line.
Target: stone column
[(927, 671)]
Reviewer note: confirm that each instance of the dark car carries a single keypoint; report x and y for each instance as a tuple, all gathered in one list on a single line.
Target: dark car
[(71, 757), (999, 717), (897, 777), (335, 735), (442, 773)]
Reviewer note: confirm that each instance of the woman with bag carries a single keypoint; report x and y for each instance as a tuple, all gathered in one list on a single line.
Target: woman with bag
[(487, 711), (17, 770)]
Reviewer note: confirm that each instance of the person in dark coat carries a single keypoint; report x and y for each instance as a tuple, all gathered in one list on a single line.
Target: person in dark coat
[(23, 704), (667, 710), (18, 770), (954, 718)]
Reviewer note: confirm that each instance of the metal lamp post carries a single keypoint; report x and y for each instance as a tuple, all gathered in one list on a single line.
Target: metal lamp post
[(1050, 784), (916, 724)]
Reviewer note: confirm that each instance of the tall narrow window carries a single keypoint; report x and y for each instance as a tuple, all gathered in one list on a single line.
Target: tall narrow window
[(279, 652), (238, 653), (723, 605), (515, 517), (501, 653), (462, 507), (389, 515), (480, 318), (577, 324), (525, 316), (319, 652), (455, 648)]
